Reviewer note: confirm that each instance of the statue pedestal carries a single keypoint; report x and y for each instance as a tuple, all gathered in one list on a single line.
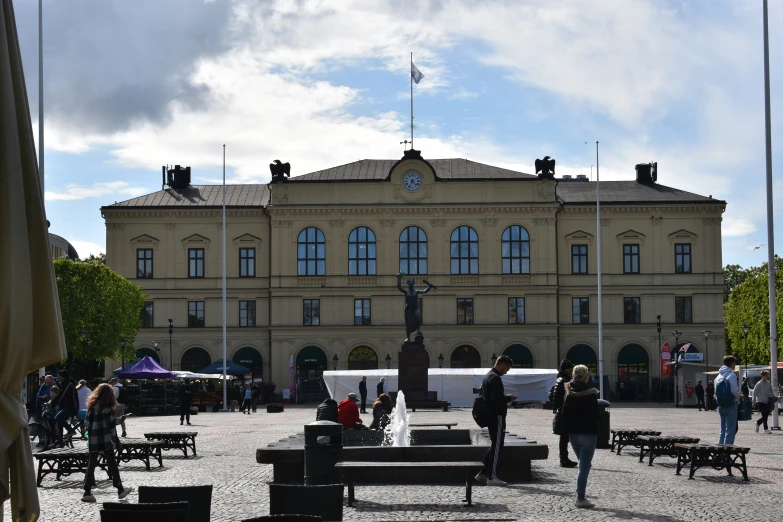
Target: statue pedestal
[(412, 379)]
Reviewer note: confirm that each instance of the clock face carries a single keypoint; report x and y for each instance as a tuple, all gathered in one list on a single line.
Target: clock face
[(412, 181)]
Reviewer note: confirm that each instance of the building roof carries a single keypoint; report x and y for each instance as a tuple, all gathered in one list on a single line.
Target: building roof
[(201, 196), (445, 169), (583, 193)]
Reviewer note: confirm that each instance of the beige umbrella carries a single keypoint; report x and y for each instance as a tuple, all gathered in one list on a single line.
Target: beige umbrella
[(31, 332)]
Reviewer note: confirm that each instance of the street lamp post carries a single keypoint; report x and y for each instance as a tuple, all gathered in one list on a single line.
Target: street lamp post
[(122, 351), (676, 334), (83, 334), (745, 330), (493, 359), (660, 363), (335, 362), (440, 361), (388, 361), (706, 335), (171, 357)]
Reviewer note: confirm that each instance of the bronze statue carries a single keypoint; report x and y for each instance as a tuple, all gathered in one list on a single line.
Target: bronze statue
[(412, 310), (545, 168), (280, 171)]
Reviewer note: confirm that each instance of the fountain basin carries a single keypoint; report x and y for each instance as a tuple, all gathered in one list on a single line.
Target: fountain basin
[(287, 455)]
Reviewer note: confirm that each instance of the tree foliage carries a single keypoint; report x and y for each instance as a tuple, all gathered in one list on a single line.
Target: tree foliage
[(100, 302), (100, 259), (748, 304)]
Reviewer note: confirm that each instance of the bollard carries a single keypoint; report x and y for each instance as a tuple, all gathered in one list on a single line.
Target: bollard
[(323, 449), (603, 424)]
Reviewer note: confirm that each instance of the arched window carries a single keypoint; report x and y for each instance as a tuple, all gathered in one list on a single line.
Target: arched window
[(362, 358), (521, 357), (515, 250), (361, 252), (251, 359), (583, 354), (465, 357), (311, 252), (147, 352), (464, 251), (632, 372), (413, 251), (194, 360)]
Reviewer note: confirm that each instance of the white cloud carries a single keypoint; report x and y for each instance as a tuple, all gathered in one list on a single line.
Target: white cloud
[(737, 227), (86, 248), (74, 192)]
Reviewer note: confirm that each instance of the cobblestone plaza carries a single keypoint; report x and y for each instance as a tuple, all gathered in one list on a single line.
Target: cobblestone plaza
[(621, 487)]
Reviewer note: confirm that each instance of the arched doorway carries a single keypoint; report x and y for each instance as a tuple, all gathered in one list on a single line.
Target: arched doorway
[(465, 356), (250, 358), (311, 363), (521, 356), (633, 372), (363, 358), (195, 359), (583, 354), (147, 352)]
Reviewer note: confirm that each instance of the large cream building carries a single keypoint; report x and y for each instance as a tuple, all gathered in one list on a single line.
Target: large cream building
[(312, 263)]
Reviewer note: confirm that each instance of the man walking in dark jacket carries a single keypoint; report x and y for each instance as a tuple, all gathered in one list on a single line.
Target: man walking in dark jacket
[(494, 394), (564, 376), (699, 389), (185, 400), (68, 401), (363, 394)]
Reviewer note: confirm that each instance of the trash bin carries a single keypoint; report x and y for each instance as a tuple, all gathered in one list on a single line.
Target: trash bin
[(603, 424), (323, 449)]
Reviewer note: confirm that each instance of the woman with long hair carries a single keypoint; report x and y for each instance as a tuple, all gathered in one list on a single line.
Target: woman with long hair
[(102, 429), (381, 409)]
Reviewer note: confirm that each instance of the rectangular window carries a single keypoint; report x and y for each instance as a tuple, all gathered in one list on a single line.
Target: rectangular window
[(683, 309), (361, 312), (580, 307), (633, 310), (144, 263), (195, 314), (464, 311), (147, 319), (311, 312), (516, 310), (247, 313), (578, 259), (630, 259), (682, 258), (247, 262), (195, 262)]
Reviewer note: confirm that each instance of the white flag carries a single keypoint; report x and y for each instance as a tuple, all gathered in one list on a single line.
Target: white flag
[(416, 74)]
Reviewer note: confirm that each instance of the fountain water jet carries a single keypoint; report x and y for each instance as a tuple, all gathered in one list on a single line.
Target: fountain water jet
[(397, 432)]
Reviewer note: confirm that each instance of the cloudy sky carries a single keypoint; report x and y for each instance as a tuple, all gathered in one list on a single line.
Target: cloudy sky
[(133, 85)]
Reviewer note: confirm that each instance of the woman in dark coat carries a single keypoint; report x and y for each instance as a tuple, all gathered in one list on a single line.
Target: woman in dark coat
[(580, 411), (381, 410)]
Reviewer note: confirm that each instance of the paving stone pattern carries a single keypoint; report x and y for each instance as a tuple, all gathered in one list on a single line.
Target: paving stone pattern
[(620, 486)]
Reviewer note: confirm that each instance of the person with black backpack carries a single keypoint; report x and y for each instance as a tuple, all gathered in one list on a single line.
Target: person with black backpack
[(495, 397), (558, 398), (727, 395)]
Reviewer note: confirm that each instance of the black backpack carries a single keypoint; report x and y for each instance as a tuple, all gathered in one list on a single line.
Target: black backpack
[(122, 397), (481, 410)]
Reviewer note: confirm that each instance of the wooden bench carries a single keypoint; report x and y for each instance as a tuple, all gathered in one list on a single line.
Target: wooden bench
[(63, 461), (179, 440), (348, 467), (658, 445), (447, 425), (628, 437), (717, 456), (143, 450)]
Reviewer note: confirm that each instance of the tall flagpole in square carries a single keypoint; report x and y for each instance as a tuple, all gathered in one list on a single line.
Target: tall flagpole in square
[(411, 100)]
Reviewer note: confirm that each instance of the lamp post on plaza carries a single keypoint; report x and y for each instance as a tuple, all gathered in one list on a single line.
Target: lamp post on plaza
[(676, 350), (335, 362), (660, 362), (440, 361), (171, 357), (83, 334), (706, 335), (122, 351), (745, 330), (388, 361)]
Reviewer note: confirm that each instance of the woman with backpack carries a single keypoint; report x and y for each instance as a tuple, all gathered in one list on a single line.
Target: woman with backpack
[(727, 396), (580, 419)]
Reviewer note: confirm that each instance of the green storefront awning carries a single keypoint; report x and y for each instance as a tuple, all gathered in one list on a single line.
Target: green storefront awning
[(311, 356), (520, 356), (633, 354), (582, 354), (249, 358)]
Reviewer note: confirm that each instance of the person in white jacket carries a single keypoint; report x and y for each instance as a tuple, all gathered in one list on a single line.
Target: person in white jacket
[(727, 408)]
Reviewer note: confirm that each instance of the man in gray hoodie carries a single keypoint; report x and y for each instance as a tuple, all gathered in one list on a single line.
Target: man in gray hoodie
[(727, 396)]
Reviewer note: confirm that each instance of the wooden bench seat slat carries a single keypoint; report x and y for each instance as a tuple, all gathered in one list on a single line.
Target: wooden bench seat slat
[(716, 456)]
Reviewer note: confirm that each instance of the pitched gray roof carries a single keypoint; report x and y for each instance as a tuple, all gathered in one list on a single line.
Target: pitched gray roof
[(583, 193), (447, 169), (202, 196)]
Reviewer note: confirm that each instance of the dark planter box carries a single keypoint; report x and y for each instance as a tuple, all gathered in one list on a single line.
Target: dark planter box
[(274, 408), (293, 499)]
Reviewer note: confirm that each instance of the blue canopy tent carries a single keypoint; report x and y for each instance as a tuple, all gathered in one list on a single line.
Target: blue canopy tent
[(232, 368)]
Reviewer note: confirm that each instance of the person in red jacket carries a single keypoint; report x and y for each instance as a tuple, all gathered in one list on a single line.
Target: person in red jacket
[(348, 413)]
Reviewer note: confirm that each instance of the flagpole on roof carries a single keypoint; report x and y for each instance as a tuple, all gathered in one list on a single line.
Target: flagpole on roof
[(773, 327), (225, 390), (411, 100)]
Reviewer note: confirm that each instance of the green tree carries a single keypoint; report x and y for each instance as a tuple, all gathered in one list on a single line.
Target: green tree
[(96, 300), (100, 259), (748, 304)]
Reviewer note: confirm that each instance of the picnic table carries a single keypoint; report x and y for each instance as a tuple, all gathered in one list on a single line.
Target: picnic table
[(717, 456), (658, 445), (628, 437), (63, 461), (447, 425), (143, 450), (179, 440), (349, 467)]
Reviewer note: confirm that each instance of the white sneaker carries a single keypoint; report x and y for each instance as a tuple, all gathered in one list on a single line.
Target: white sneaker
[(757, 428), (768, 432), (496, 482), (584, 503), (88, 498), (125, 492), (481, 479)]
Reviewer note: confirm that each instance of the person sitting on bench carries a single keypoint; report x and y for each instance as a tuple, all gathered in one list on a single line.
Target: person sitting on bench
[(348, 413), (381, 410), (327, 411)]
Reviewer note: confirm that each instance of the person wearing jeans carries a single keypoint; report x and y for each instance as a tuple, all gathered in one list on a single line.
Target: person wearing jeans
[(580, 411), (763, 399), (728, 412)]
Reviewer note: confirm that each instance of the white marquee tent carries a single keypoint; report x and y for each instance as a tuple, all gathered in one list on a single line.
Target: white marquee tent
[(453, 385)]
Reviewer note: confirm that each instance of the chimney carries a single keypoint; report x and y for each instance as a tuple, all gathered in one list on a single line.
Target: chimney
[(647, 173), (177, 177)]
